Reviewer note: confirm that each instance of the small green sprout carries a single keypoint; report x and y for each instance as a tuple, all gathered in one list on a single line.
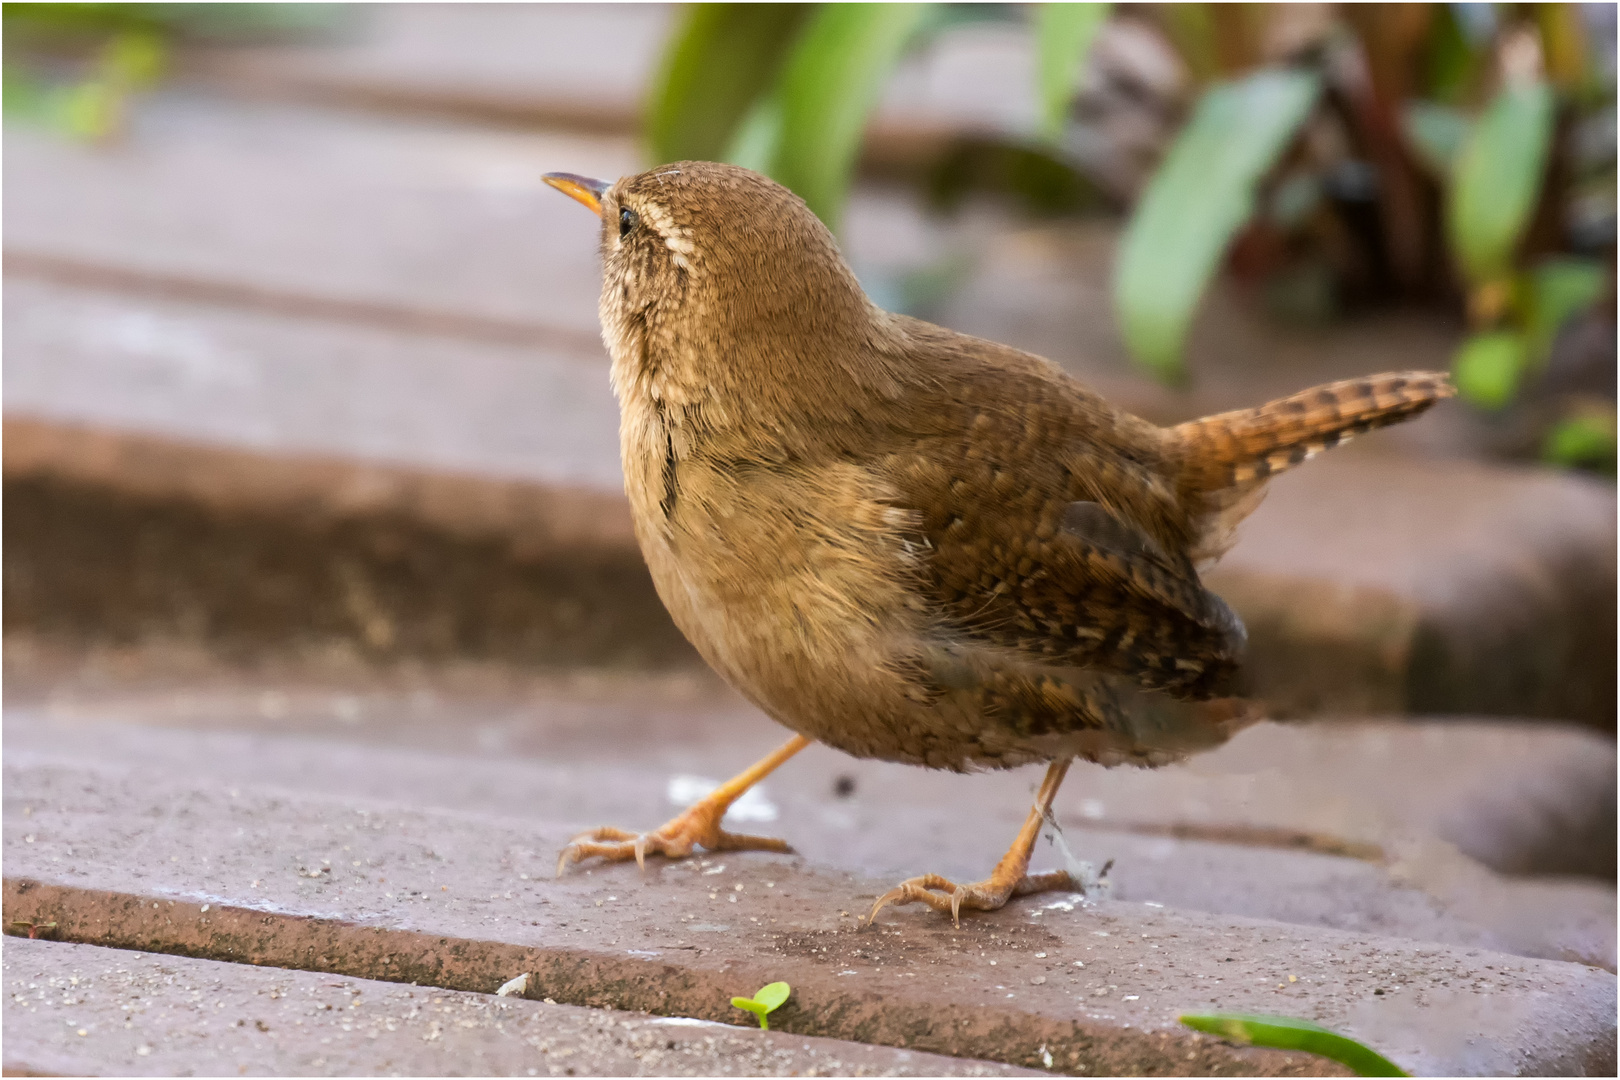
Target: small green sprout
[(1287, 1033), (767, 998)]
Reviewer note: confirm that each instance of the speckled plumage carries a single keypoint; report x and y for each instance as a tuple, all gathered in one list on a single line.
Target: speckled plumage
[(907, 543)]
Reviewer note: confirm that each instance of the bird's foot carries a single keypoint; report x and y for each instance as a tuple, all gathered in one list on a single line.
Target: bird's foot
[(675, 839), (699, 825), (1010, 878), (946, 896)]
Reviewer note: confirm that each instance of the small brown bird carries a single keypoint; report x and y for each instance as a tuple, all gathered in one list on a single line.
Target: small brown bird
[(907, 543)]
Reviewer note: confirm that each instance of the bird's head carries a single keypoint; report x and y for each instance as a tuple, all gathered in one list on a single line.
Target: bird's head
[(712, 274)]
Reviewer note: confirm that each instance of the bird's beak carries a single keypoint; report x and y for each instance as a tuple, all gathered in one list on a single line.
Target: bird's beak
[(583, 188)]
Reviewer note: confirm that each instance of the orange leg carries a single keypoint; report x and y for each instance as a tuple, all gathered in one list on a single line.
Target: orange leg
[(1010, 877), (699, 824)]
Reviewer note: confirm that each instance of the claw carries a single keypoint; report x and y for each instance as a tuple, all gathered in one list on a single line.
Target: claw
[(882, 902), (591, 843), (931, 889)]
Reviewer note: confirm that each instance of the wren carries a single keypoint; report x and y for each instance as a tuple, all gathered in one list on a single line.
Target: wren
[(907, 543)]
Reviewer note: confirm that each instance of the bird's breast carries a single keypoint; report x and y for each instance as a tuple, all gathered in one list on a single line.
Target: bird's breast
[(793, 580)]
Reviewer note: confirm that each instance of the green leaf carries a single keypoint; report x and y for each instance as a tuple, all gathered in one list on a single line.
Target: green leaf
[(757, 137), (769, 997), (201, 22), (1564, 47), (754, 1007), (1287, 1033), (722, 59), (831, 82), (1559, 289), (1436, 132), (1036, 174), (1497, 178), (1587, 438), (26, 96), (1487, 368), (95, 108), (1202, 193), (134, 59), (1453, 61), (83, 20), (1063, 37), (1191, 28), (772, 995), (91, 110)]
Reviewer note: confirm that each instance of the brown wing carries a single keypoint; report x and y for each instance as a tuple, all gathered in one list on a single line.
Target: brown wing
[(1052, 532)]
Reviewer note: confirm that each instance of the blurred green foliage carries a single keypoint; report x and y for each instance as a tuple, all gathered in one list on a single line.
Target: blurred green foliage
[(722, 58), (1452, 59), (93, 107), (1496, 177), (1203, 192), (1584, 439), (1534, 305), (77, 67), (1476, 95), (217, 22), (830, 81), (1288, 1033), (1033, 172), (1487, 367), (1063, 37), (785, 89), (1459, 155), (1435, 132)]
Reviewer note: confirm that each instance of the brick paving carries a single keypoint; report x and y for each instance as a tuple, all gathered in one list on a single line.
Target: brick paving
[(381, 889), (80, 1010), (1316, 827)]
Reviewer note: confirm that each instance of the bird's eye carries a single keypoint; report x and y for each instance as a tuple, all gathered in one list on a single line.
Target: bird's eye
[(627, 221)]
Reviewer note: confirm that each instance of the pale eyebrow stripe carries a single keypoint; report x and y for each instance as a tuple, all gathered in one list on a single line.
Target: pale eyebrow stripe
[(676, 238)]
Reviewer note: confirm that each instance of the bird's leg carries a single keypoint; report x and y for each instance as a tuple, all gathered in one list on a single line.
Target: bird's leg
[(698, 824), (1010, 877)]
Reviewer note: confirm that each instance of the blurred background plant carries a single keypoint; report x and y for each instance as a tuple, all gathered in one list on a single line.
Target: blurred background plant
[(1329, 158), (77, 67)]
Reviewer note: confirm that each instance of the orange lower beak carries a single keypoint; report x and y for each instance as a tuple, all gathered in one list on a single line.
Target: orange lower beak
[(583, 188)]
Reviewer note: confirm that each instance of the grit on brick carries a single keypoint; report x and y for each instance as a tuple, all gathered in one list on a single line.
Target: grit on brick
[(127, 855)]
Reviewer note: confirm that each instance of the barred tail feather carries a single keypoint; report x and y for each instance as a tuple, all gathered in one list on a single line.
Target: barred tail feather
[(1233, 448), (1227, 458)]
